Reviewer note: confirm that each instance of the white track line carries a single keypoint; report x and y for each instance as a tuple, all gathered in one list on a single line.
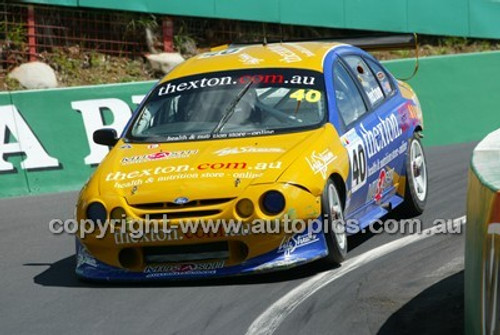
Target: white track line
[(271, 319)]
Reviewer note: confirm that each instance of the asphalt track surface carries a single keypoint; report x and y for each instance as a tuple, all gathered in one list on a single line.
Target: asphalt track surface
[(417, 289)]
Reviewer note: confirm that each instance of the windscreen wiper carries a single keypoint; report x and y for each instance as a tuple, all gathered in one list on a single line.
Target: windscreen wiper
[(230, 109)]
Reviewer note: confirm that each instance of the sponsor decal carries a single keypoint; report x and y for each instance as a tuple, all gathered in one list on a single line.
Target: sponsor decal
[(388, 158), (288, 56), (126, 146), (225, 52), (412, 109), (247, 175), (407, 116), (283, 263), (249, 60), (375, 94), (171, 88), (349, 137), (237, 134), (185, 268), (153, 146), (218, 229), (132, 183), (291, 243), (157, 156), (404, 118), (161, 235), (177, 172), (381, 135), (380, 186), (178, 86), (318, 162), (239, 166), (247, 150), (84, 258), (384, 181), (302, 50)]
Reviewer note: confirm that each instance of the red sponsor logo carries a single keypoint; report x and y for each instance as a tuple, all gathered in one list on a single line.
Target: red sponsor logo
[(380, 186), (158, 155)]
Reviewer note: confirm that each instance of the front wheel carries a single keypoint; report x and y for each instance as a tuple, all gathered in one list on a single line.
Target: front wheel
[(333, 212), (416, 179)]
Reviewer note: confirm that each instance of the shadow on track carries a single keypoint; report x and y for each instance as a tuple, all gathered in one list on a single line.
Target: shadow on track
[(62, 274), (437, 310)]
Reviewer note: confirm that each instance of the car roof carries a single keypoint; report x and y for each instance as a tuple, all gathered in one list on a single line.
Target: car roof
[(299, 55)]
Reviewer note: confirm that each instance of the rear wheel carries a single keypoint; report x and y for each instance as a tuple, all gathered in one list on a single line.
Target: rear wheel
[(416, 179), (333, 212)]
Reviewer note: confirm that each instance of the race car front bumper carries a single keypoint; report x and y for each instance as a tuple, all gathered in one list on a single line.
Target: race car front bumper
[(296, 250)]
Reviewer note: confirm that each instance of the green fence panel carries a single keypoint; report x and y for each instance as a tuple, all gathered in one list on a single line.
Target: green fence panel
[(183, 7), (485, 18), (259, 10), (172, 7), (301, 12), (457, 95), (387, 15), (472, 18), (448, 17)]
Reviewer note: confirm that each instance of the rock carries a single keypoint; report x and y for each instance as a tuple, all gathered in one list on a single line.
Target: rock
[(34, 75), (165, 62), (188, 47)]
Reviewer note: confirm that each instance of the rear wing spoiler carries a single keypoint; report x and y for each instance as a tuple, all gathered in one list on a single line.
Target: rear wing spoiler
[(368, 43), (382, 43)]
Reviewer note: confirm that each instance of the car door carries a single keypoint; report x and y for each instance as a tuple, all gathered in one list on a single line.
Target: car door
[(380, 135)]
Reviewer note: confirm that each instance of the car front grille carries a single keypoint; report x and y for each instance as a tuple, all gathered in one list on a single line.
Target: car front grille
[(190, 204)]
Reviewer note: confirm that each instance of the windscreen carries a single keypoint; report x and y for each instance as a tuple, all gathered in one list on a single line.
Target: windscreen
[(232, 104)]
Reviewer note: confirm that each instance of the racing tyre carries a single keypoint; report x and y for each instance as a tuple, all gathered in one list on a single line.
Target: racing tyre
[(416, 179), (336, 238)]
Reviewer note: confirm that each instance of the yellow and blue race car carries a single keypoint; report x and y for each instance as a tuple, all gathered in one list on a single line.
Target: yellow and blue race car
[(251, 159)]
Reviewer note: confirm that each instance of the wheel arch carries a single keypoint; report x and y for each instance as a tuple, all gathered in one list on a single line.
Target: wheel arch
[(337, 179)]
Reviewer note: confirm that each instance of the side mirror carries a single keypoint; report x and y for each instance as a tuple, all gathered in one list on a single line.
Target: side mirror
[(106, 137)]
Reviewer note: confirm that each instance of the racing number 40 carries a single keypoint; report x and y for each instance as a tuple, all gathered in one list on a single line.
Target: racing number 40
[(311, 96), (358, 166)]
